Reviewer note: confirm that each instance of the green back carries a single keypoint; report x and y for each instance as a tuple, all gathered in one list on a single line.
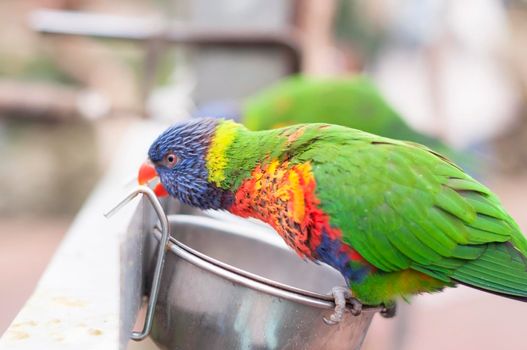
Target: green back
[(400, 205)]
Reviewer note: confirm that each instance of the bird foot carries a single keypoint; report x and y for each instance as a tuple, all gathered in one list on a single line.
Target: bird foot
[(389, 311), (341, 294)]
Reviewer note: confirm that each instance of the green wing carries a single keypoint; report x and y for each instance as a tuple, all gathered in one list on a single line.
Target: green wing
[(402, 206)]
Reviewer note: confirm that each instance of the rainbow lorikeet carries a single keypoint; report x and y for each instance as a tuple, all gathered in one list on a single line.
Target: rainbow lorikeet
[(395, 218)]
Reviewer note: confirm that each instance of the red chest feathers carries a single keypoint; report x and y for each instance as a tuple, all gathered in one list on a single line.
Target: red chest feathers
[(283, 196)]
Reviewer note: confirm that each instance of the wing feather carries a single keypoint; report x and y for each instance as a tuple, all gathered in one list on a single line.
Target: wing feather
[(401, 206)]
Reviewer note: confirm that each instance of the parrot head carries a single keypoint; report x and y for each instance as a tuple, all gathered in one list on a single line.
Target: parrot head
[(177, 165)]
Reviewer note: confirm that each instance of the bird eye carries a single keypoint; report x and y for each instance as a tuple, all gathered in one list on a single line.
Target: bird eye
[(170, 160)]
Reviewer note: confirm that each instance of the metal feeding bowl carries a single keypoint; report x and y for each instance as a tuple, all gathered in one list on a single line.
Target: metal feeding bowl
[(225, 283), (228, 285)]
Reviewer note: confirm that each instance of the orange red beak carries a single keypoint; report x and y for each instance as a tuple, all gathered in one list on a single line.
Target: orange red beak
[(148, 176)]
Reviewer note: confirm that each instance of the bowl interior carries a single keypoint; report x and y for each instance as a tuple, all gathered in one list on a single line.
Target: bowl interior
[(247, 247)]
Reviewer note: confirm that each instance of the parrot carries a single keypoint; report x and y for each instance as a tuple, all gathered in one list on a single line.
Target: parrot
[(354, 102), (395, 218)]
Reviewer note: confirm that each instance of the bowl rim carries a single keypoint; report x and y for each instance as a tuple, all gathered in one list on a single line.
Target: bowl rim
[(238, 275)]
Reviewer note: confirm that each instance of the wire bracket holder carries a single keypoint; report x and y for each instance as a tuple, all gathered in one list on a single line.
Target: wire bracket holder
[(161, 254)]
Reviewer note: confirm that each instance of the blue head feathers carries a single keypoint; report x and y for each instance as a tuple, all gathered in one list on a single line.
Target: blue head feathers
[(179, 155)]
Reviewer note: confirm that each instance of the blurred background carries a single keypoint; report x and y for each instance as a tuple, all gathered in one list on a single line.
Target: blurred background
[(75, 73)]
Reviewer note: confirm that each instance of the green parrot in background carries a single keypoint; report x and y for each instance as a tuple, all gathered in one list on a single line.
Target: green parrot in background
[(354, 102)]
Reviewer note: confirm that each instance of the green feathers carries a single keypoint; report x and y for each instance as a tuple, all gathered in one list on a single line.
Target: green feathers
[(417, 219), (404, 207), (500, 268), (353, 102)]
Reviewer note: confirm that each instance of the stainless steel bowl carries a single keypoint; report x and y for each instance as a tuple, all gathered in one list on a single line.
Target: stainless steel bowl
[(232, 286)]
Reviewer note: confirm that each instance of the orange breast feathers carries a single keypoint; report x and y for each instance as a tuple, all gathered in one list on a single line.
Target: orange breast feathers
[(283, 196)]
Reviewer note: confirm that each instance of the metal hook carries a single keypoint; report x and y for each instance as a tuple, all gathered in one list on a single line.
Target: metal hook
[(165, 234)]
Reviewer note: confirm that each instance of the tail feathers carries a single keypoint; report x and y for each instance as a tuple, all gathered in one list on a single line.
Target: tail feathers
[(508, 296), (501, 269)]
